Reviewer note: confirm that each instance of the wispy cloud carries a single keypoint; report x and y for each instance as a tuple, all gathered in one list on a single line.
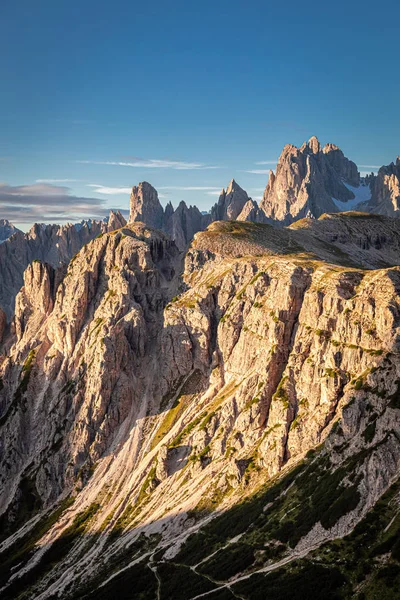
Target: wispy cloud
[(266, 162), (214, 193), (56, 180), (189, 188), (110, 191), (258, 171), (152, 163), (370, 166), (47, 203), (113, 191)]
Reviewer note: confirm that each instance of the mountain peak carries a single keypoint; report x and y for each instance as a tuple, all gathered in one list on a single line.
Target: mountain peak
[(145, 205), (314, 145), (7, 229)]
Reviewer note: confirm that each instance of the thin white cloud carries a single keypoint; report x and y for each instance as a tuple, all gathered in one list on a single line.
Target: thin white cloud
[(152, 164), (214, 193), (56, 180), (110, 191), (258, 171), (47, 203), (266, 162), (113, 191), (188, 188), (370, 166)]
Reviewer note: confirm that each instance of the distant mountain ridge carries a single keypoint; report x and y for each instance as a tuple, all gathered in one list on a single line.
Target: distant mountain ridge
[(209, 424), (7, 229), (308, 182), (53, 244)]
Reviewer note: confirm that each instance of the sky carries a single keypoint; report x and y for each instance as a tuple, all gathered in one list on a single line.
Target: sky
[(96, 96)]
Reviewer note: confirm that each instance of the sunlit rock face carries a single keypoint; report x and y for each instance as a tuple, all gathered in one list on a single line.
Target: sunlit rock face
[(230, 203), (306, 181), (181, 224), (53, 244), (155, 389), (386, 190)]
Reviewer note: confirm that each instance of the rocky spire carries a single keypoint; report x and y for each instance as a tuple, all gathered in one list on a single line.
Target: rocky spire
[(7, 229), (345, 168), (308, 180), (385, 187), (145, 206), (115, 221), (230, 203)]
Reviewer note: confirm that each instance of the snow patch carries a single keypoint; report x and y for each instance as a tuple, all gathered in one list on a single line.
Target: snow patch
[(362, 193)]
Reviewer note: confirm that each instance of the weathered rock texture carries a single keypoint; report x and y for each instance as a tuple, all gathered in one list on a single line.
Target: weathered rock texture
[(53, 244), (230, 203), (7, 229), (306, 180), (154, 396), (181, 224), (386, 191)]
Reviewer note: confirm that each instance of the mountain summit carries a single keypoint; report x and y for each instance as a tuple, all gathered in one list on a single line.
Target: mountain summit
[(307, 180), (7, 229)]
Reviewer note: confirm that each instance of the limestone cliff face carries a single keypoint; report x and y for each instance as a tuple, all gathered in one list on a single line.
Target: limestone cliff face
[(7, 229), (386, 191), (53, 244), (154, 395), (145, 206), (181, 224), (230, 203), (345, 168), (306, 180)]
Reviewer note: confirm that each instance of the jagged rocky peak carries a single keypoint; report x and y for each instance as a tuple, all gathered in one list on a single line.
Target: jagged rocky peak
[(36, 297), (115, 221), (53, 244), (230, 203), (7, 229), (308, 180), (385, 187), (140, 400), (181, 224), (312, 145), (344, 167), (145, 205)]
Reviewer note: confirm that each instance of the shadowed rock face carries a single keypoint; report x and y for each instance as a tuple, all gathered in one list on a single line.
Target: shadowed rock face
[(386, 191), (230, 203), (155, 393), (181, 224), (53, 244), (145, 206), (7, 229)]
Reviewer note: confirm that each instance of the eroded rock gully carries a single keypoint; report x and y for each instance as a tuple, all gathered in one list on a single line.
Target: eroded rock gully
[(155, 394)]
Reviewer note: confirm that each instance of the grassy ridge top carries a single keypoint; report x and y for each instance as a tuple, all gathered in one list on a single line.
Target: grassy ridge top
[(352, 239)]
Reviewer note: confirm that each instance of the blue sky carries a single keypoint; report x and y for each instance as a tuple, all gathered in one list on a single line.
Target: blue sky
[(208, 89)]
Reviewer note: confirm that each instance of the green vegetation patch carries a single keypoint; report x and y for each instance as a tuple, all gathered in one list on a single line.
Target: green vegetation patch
[(309, 581), (136, 583), (181, 583), (56, 552), (233, 559)]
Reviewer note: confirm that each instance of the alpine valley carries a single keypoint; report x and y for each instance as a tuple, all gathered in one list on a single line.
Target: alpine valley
[(207, 405)]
